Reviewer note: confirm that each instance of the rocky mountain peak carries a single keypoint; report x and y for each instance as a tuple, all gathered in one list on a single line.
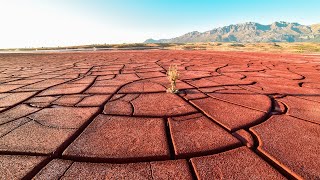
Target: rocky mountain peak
[(279, 31)]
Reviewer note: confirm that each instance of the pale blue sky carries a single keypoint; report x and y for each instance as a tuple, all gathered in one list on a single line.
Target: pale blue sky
[(36, 23)]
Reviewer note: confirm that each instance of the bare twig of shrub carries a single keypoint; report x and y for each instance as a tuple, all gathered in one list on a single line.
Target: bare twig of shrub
[(173, 75)]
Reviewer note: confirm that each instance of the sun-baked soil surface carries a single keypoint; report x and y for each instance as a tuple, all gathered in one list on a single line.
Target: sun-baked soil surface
[(106, 115)]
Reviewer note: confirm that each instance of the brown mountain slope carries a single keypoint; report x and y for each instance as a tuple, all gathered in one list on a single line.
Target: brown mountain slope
[(251, 32)]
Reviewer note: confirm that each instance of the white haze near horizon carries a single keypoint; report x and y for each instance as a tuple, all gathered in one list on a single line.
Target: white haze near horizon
[(26, 24)]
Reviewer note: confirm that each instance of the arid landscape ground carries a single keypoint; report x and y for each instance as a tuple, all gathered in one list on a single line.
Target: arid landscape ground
[(106, 115), (278, 47)]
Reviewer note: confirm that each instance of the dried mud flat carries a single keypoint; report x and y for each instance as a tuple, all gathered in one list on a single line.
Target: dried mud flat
[(106, 115)]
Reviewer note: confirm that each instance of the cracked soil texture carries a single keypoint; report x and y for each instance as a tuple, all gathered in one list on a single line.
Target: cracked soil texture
[(106, 115)]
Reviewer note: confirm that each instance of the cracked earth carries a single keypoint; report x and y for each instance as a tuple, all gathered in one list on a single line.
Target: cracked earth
[(106, 115)]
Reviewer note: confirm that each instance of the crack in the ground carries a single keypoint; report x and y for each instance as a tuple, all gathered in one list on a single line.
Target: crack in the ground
[(66, 170), (169, 139)]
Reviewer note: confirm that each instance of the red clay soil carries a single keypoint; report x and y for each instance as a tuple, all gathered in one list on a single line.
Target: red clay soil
[(229, 115), (240, 163), (65, 169), (18, 166), (245, 137), (106, 115), (292, 143), (199, 135), (122, 139)]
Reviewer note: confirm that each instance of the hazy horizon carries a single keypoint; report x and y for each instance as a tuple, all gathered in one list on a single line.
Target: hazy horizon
[(58, 23)]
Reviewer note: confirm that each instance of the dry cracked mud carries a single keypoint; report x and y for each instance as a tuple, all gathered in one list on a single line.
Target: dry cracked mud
[(106, 115)]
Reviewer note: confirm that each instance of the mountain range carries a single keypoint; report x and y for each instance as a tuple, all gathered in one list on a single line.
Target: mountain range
[(251, 32)]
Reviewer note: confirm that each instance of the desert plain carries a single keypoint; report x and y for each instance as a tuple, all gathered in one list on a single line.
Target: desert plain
[(107, 115)]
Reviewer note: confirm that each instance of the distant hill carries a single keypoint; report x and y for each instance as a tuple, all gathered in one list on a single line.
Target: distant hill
[(251, 32)]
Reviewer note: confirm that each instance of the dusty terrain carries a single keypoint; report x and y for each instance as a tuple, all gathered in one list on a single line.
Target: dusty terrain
[(279, 47), (106, 115)]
